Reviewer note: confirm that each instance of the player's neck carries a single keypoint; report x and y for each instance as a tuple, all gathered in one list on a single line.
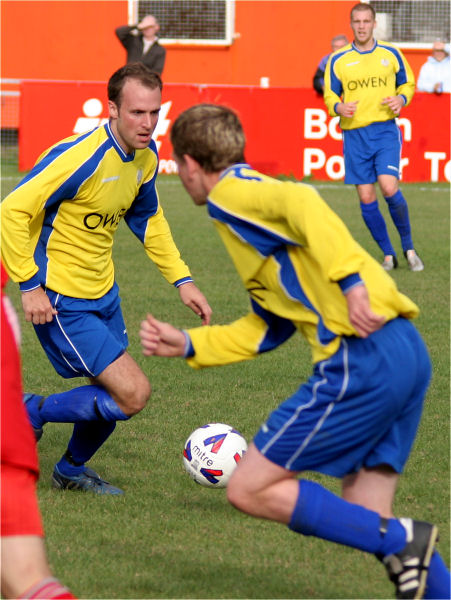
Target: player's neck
[(365, 46)]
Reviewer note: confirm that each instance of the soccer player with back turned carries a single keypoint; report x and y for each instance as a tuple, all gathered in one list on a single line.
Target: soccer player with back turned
[(367, 83), (357, 416)]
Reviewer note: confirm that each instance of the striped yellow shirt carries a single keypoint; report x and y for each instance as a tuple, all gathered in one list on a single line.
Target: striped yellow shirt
[(58, 223)]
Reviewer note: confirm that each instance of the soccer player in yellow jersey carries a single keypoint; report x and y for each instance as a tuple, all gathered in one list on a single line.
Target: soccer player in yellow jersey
[(57, 235), (367, 83), (357, 416)]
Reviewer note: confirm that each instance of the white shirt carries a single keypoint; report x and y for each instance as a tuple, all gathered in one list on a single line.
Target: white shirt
[(435, 71), (147, 44)]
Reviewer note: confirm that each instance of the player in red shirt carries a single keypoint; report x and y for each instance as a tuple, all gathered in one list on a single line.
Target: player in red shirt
[(25, 570)]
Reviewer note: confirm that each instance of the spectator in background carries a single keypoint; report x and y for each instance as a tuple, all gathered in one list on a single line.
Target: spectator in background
[(337, 42), (435, 74), (142, 45)]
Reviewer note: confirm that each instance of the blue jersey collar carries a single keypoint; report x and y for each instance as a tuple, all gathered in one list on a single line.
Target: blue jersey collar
[(233, 168), (354, 47), (124, 156)]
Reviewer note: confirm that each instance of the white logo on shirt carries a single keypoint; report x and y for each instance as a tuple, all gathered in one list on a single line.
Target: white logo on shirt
[(139, 176), (356, 62), (385, 62)]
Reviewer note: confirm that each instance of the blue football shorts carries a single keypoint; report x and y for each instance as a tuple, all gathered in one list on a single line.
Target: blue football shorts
[(372, 151), (86, 335), (360, 408)]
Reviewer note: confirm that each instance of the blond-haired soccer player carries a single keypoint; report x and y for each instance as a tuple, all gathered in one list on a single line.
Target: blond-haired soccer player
[(367, 83), (57, 234), (357, 416)]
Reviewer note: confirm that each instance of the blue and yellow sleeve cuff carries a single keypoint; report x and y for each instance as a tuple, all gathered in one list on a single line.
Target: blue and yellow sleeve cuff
[(347, 283), (180, 282), (31, 284), (189, 348)]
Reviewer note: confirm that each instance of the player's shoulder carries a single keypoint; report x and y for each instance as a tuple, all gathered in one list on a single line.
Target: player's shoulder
[(384, 44), (389, 48), (343, 50), (244, 186), (79, 143), (341, 55)]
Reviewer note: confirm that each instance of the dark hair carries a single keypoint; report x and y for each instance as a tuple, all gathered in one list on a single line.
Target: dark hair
[(363, 6), (211, 134), (134, 70)]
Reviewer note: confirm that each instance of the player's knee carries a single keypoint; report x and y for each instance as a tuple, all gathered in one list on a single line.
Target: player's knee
[(367, 197), (238, 496), (135, 399), (389, 189)]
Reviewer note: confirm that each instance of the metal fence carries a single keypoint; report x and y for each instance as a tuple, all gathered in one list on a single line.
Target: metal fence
[(191, 21), (413, 22), (9, 120)]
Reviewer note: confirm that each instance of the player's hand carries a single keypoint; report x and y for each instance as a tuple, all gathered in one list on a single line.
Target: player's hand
[(161, 339), (192, 297), (362, 318), (395, 103), (37, 307), (346, 109)]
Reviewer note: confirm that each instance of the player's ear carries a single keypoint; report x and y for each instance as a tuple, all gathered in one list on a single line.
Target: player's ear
[(192, 165), (113, 109)]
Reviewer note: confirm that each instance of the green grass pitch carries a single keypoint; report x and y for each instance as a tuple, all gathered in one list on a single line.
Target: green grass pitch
[(170, 538)]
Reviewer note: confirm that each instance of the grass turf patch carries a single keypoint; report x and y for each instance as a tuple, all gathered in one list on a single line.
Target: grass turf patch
[(170, 538)]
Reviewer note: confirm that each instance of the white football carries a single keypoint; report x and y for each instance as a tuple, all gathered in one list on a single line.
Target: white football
[(212, 452)]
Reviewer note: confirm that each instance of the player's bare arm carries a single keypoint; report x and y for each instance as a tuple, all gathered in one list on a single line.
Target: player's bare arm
[(192, 297), (362, 318), (161, 339), (37, 307)]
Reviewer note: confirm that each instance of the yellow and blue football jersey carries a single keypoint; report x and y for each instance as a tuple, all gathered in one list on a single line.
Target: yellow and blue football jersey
[(367, 77), (295, 257), (58, 223)]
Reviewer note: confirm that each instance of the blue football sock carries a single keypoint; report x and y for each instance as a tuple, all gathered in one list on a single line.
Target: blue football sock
[(32, 404), (86, 439), (321, 513), (85, 403), (399, 212), (68, 469), (438, 584), (375, 222)]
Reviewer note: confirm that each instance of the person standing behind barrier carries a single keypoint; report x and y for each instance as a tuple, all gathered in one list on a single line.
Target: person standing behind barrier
[(336, 43), (142, 45), (435, 74), (367, 84)]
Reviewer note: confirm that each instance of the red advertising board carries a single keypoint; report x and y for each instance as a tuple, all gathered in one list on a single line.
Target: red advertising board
[(288, 130)]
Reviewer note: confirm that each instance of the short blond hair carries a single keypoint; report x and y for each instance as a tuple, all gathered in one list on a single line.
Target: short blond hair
[(211, 134)]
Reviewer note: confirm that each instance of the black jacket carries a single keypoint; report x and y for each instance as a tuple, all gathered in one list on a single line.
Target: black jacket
[(154, 58)]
